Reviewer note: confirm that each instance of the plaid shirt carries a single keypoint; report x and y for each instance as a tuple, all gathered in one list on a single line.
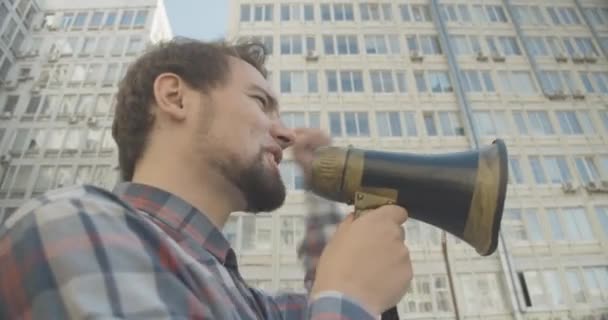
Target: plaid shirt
[(142, 253)]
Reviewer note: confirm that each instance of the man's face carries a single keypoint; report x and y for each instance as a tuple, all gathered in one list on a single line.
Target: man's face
[(240, 135)]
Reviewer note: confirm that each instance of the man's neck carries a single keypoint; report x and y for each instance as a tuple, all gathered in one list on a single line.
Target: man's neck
[(205, 190)]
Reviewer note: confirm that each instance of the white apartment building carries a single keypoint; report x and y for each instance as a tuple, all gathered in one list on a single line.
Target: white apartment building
[(434, 76), (60, 63)]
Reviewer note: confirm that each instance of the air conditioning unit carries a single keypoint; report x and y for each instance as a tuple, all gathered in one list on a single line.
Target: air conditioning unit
[(312, 55), (5, 158), (561, 58), (73, 120), (592, 186), (9, 84), (50, 23), (6, 115), (499, 58), (482, 57), (568, 187), (578, 58), (415, 56), (92, 121), (578, 95), (591, 58), (556, 95)]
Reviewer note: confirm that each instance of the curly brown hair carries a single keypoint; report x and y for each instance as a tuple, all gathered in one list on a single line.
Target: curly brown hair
[(202, 65)]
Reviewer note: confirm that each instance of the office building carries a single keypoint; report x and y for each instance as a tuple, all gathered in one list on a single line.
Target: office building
[(60, 63), (435, 76)]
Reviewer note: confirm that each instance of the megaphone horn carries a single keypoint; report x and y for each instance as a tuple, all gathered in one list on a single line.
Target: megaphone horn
[(462, 193)]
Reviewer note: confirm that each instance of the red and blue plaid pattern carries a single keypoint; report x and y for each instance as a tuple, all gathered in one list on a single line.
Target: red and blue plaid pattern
[(142, 253)]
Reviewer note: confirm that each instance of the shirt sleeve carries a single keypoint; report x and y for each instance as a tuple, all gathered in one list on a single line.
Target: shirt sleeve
[(87, 257)]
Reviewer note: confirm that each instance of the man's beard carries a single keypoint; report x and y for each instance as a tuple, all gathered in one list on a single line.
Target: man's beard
[(262, 188)]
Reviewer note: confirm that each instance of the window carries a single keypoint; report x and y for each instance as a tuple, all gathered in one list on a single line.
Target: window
[(356, 124), (292, 232), (602, 216), (32, 106), (382, 81), (517, 82), (299, 82), (291, 44), (575, 286), (421, 13), (110, 75), (309, 13), (557, 169), (96, 19), (515, 174), (464, 44), (126, 20), (496, 14), (118, 46), (300, 119), (485, 123), (514, 227), (569, 123), (541, 288), (291, 175), (563, 15), (102, 46), (262, 12), (428, 294), (92, 76), (111, 19), (473, 81), (343, 44), (245, 12), (350, 81), (340, 12), (439, 81), (537, 170), (429, 44), (576, 224), (587, 169), (540, 123), (257, 233), (596, 279), (376, 11), (80, 19), (450, 124), (429, 123), (66, 20), (420, 81), (141, 18), (290, 12), (10, 104), (483, 292), (135, 45), (388, 123), (377, 44), (509, 46)]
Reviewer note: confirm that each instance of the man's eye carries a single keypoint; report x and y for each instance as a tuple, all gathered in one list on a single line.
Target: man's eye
[(261, 100)]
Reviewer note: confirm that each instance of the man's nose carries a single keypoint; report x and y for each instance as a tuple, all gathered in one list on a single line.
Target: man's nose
[(283, 135)]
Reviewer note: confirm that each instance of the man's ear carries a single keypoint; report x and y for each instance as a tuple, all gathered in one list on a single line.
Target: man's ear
[(168, 94)]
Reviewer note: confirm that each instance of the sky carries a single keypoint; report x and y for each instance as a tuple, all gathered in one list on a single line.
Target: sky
[(199, 19)]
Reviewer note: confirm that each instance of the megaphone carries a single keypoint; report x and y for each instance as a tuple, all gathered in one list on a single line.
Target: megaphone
[(462, 193)]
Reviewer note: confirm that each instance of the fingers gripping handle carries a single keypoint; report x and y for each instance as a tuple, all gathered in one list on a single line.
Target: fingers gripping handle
[(363, 203)]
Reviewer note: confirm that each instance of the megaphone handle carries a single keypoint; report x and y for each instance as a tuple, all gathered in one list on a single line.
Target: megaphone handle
[(364, 202), (390, 314)]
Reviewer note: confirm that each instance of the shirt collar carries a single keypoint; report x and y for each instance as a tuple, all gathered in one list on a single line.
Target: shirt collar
[(179, 216)]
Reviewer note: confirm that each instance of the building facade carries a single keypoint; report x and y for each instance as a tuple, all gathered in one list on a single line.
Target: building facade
[(435, 76), (60, 63)]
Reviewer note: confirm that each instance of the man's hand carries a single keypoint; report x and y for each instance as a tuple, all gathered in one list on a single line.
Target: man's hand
[(367, 260), (307, 141)]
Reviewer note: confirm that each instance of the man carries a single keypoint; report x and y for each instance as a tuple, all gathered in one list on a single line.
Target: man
[(199, 137)]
